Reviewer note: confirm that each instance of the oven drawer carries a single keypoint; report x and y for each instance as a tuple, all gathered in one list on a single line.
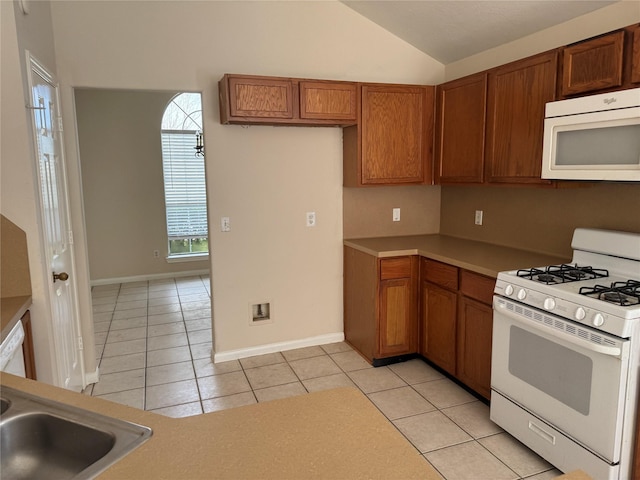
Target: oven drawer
[(546, 441)]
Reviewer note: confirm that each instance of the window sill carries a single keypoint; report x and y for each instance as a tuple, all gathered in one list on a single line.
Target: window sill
[(187, 258)]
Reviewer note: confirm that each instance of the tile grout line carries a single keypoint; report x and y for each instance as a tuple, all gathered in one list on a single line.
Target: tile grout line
[(288, 362)]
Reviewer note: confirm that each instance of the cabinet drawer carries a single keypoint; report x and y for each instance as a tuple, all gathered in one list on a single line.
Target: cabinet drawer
[(397, 267), (477, 286), (439, 273)]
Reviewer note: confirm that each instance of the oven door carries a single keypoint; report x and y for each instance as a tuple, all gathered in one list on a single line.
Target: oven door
[(570, 376)]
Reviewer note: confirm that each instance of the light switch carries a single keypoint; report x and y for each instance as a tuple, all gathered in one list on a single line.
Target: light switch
[(396, 214)]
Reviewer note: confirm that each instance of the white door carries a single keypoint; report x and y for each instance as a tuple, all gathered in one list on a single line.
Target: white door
[(58, 240)]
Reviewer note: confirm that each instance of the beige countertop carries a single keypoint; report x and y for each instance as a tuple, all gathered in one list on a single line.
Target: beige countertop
[(11, 310), (333, 434), (336, 434), (484, 258)]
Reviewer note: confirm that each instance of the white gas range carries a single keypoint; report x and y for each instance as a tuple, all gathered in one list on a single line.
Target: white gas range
[(566, 355)]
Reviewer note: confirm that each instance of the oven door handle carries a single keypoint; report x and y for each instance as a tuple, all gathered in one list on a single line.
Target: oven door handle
[(555, 333)]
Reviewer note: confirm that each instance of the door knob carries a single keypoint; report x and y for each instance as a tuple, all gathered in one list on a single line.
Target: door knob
[(62, 276)]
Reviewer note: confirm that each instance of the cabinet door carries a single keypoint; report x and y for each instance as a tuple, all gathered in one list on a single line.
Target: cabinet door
[(260, 97), (460, 130), (397, 317), (438, 318), (593, 64), (328, 101), (475, 327), (397, 311), (396, 131), (517, 95), (635, 56)]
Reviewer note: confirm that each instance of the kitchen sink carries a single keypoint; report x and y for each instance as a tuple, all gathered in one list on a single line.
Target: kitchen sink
[(40, 438)]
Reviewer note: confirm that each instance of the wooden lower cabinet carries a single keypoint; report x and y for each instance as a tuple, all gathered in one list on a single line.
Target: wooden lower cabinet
[(27, 347), (380, 304), (404, 305), (456, 322), (438, 315), (475, 326), (397, 317)]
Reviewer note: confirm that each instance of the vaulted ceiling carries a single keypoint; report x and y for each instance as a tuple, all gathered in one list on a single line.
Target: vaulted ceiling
[(451, 30)]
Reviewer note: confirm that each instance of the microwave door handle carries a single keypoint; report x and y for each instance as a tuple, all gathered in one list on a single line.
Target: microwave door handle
[(552, 333)]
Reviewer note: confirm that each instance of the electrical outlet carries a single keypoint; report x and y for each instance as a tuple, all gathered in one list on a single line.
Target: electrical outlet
[(396, 214), (311, 219), (156, 254), (478, 219), (225, 224)]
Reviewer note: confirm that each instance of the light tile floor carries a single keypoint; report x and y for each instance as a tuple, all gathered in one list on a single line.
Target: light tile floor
[(153, 343)]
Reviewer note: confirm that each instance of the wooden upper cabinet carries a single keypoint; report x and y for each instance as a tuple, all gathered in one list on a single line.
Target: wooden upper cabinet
[(260, 97), (328, 100), (392, 143), (516, 99), (248, 99), (635, 55), (594, 64), (460, 130)]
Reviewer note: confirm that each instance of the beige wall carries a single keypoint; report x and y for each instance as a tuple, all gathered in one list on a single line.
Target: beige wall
[(121, 163), (617, 15), (539, 219), (263, 178), (368, 211)]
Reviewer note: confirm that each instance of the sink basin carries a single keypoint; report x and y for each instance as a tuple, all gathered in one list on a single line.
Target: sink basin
[(40, 438)]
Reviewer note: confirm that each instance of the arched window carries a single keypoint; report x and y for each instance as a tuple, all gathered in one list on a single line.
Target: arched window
[(184, 179)]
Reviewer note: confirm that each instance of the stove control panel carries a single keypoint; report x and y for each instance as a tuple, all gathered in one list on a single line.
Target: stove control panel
[(564, 308)]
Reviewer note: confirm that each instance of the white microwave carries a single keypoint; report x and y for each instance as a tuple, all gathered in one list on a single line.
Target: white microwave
[(593, 138)]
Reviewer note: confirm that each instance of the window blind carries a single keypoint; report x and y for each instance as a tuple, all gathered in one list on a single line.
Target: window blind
[(184, 186)]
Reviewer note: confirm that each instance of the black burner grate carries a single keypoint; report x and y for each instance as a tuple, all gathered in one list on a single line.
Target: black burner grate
[(624, 294), (564, 273)]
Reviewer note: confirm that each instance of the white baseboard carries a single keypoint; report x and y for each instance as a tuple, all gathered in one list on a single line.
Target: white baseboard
[(143, 278), (277, 347)]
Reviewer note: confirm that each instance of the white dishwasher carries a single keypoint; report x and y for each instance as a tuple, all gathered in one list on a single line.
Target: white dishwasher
[(11, 357)]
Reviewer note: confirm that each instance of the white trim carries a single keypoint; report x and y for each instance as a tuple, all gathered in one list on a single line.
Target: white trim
[(278, 347), (142, 278), (92, 377), (192, 257)]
